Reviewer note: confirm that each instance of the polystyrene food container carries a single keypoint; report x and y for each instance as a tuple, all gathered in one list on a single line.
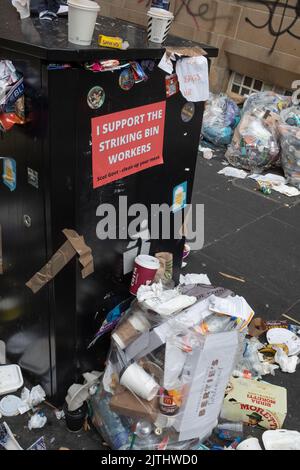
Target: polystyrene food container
[(11, 378)]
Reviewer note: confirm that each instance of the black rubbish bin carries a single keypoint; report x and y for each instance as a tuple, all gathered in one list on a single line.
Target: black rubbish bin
[(58, 187)]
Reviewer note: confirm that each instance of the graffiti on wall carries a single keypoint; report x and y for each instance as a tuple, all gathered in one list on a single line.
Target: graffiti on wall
[(286, 23), (195, 8), (282, 15)]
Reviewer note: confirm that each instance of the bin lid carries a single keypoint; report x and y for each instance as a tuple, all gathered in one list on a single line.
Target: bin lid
[(50, 41)]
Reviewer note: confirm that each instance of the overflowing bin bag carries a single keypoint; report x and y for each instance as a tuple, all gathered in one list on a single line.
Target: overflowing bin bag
[(255, 144), (12, 107), (266, 100), (291, 116), (170, 360), (220, 117), (290, 153)]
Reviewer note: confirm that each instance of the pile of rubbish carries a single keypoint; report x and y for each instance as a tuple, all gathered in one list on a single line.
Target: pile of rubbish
[(182, 365), (12, 103), (265, 134), (221, 116), (183, 372)]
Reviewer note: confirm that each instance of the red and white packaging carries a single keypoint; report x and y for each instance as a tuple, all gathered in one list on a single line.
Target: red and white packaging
[(144, 270)]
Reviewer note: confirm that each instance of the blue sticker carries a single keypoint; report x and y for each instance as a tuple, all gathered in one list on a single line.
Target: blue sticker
[(179, 196), (9, 175)]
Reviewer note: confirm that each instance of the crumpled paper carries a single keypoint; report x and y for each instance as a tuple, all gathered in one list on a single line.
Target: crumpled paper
[(37, 421), (31, 398), (163, 302), (194, 279), (285, 362)]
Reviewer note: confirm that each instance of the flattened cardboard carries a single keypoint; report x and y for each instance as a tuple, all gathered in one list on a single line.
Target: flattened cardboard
[(74, 244), (127, 404)]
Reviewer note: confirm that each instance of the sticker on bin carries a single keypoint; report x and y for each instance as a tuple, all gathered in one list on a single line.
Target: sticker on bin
[(179, 197), (126, 142)]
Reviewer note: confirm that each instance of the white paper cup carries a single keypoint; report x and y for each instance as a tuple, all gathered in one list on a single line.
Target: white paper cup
[(23, 8), (159, 23), (135, 379), (130, 329), (252, 443), (82, 20)]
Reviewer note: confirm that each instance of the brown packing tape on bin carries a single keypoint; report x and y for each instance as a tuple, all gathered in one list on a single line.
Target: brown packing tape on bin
[(1, 259), (74, 244), (84, 251), (195, 51)]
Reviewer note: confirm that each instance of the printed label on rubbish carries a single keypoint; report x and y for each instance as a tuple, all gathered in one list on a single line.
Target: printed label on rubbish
[(127, 142)]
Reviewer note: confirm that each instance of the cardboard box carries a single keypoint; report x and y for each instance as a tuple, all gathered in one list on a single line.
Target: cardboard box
[(125, 403), (255, 403)]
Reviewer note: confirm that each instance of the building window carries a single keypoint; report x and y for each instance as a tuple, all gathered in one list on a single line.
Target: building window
[(244, 85)]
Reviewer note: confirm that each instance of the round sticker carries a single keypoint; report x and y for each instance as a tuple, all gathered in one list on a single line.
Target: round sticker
[(126, 79), (187, 112), (96, 97)]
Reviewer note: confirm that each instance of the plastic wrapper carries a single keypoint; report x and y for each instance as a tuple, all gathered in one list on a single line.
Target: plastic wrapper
[(266, 100), (255, 145), (12, 105), (290, 153), (166, 375), (291, 116), (220, 117)]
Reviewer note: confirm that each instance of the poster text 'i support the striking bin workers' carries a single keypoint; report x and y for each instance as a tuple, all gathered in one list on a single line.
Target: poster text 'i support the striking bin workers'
[(127, 142)]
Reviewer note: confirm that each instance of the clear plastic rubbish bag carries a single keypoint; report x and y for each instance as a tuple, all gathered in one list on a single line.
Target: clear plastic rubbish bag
[(266, 100), (290, 153), (255, 145), (220, 117)]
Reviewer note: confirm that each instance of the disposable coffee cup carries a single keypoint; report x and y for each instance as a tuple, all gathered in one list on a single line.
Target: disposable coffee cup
[(252, 443), (130, 329), (144, 270), (23, 8), (135, 379), (159, 23), (82, 20)]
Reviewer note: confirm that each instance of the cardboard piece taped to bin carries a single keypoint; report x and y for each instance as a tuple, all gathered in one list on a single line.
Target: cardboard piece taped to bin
[(125, 403), (255, 403), (74, 244)]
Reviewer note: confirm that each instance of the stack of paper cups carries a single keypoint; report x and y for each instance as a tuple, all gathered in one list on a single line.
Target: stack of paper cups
[(159, 23), (82, 20), (130, 329)]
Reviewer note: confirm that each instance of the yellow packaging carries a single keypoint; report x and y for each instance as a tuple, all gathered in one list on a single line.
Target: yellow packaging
[(107, 41), (258, 404)]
